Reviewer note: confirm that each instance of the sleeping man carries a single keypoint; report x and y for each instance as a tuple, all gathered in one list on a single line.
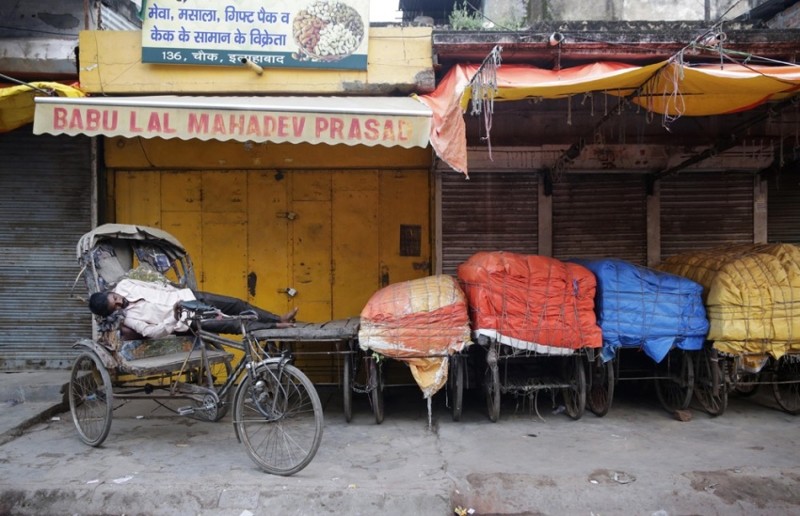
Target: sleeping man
[(149, 309)]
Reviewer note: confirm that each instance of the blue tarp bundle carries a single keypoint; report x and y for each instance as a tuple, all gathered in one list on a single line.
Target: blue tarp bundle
[(640, 307)]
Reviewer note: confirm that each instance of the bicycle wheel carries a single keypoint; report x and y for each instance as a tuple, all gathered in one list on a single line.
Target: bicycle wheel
[(208, 409), (710, 387), (575, 394), (601, 393), (675, 381), (455, 385), (376, 388), (90, 398), (278, 417)]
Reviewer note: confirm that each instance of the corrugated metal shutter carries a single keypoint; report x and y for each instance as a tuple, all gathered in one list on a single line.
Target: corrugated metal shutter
[(783, 208), (701, 211), (44, 208), (603, 215), (492, 211)]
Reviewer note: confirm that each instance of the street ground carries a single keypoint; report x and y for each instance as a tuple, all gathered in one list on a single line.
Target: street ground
[(637, 460)]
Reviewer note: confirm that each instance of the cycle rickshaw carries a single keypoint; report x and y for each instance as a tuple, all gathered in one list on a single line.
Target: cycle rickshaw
[(277, 414)]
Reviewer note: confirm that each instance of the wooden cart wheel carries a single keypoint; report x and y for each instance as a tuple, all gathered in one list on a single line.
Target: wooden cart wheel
[(575, 394), (600, 391), (376, 388), (786, 384), (675, 381), (455, 384), (746, 385), (347, 386), (710, 386), (90, 398), (491, 387)]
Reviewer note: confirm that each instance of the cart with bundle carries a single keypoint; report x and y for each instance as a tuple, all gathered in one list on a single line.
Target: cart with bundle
[(424, 324), (277, 413), (653, 322), (751, 294), (534, 317)]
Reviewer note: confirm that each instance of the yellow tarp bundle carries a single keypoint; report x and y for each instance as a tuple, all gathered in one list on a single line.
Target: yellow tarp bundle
[(17, 105), (752, 296)]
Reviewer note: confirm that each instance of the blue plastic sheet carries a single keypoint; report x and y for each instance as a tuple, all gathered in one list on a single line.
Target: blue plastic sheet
[(639, 307)]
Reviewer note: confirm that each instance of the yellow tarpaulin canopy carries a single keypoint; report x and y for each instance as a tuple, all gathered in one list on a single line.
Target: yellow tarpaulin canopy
[(17, 105), (666, 88)]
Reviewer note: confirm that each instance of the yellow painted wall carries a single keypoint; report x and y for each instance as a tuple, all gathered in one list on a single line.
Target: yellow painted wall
[(399, 60), (140, 153), (332, 235)]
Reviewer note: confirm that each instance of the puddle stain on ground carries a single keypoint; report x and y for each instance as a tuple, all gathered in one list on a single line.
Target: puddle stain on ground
[(732, 486)]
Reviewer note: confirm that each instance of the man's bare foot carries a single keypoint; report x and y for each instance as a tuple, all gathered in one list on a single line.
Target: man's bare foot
[(289, 317)]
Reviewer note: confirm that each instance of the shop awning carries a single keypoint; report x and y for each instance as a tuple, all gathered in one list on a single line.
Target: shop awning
[(666, 88), (386, 121), (16, 102)]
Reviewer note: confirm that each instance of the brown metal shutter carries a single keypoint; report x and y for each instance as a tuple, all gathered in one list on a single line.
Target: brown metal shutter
[(783, 208), (492, 211), (44, 208), (701, 211), (602, 215)]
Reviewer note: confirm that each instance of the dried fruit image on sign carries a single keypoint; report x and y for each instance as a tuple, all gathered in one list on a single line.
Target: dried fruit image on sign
[(327, 31)]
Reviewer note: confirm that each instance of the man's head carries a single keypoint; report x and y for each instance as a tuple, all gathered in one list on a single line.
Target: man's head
[(106, 303)]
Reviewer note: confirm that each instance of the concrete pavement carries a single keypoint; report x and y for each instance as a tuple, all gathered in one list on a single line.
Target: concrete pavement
[(636, 460), (28, 397)]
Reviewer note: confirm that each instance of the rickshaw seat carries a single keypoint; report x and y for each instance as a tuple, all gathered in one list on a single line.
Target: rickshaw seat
[(165, 354)]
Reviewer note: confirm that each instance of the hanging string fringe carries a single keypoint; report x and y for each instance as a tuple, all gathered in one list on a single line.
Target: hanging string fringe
[(484, 88)]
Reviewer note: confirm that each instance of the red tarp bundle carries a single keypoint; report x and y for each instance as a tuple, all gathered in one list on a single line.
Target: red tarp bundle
[(531, 302), (420, 322)]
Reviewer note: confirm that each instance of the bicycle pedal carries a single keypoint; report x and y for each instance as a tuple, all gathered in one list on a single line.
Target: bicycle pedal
[(185, 411)]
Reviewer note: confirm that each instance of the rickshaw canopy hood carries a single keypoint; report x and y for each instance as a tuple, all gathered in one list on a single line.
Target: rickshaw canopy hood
[(125, 232)]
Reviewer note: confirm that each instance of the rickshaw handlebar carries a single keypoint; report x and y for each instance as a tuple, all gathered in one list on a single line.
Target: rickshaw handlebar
[(199, 311)]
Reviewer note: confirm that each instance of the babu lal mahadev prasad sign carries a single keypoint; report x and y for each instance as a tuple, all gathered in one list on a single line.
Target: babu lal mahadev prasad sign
[(278, 33)]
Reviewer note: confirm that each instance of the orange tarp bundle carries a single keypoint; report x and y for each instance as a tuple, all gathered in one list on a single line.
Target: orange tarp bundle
[(531, 302), (420, 322)]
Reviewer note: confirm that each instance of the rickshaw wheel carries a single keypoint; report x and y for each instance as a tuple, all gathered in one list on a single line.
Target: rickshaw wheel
[(455, 384), (575, 394), (376, 388), (710, 388), (786, 384), (601, 392), (90, 398), (347, 386), (491, 388), (675, 390), (208, 409)]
